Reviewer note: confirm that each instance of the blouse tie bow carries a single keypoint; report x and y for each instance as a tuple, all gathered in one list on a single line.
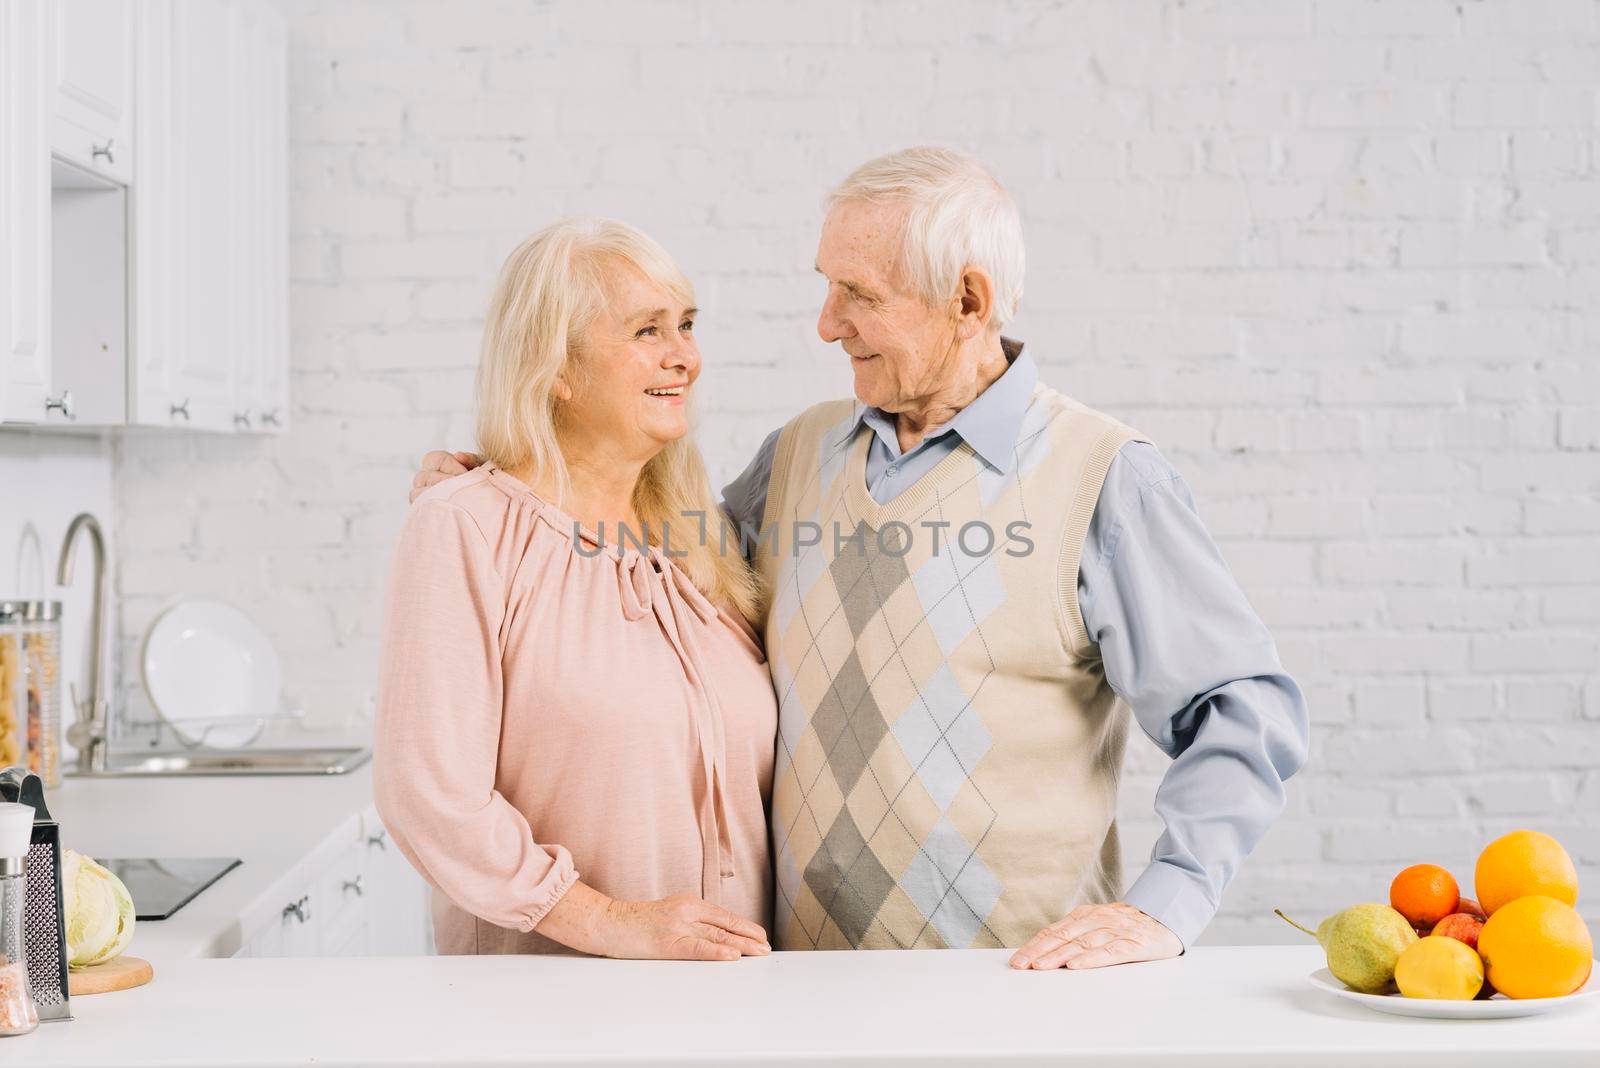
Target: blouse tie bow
[(650, 583)]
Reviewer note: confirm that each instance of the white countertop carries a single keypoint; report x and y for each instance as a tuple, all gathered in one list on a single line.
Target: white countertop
[(1215, 1006), (279, 826)]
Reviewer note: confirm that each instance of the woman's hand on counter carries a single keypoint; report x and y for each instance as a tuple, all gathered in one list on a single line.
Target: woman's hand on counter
[(681, 927)]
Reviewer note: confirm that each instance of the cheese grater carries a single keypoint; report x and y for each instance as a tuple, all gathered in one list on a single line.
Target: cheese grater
[(44, 919)]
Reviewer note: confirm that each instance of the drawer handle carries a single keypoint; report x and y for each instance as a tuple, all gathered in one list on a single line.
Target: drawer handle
[(242, 420), (300, 910), (379, 840), (180, 409), (355, 884), (105, 151), (62, 404), (270, 418)]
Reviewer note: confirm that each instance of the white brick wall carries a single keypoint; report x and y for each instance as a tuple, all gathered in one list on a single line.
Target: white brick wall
[(1341, 258)]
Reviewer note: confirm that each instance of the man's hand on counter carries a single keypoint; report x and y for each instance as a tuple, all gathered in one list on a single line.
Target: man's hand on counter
[(1094, 936)]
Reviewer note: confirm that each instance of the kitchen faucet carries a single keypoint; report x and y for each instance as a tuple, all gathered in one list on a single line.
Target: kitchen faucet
[(88, 733)]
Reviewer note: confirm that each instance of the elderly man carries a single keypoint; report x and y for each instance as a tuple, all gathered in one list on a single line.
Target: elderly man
[(979, 579)]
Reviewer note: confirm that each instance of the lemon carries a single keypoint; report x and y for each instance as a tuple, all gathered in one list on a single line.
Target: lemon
[(1440, 968)]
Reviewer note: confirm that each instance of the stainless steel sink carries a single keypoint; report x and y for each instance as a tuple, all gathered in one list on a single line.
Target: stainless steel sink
[(232, 762)]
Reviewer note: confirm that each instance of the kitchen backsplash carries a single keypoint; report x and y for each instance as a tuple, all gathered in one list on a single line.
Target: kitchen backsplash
[(45, 480)]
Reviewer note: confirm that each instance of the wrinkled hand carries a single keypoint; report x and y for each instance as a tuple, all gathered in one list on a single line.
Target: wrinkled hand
[(681, 927), (1094, 936), (440, 465)]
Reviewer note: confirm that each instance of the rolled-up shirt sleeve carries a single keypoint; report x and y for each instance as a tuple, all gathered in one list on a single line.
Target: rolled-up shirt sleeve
[(1180, 643), (436, 742)]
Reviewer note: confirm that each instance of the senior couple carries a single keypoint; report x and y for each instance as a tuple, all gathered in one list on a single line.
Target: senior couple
[(878, 696)]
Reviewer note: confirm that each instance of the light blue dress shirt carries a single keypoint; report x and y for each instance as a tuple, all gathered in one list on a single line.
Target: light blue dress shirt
[(1178, 640)]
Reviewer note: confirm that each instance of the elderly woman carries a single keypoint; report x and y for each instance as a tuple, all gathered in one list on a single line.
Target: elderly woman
[(575, 731)]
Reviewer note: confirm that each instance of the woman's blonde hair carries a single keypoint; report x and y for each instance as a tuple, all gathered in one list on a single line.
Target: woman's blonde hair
[(550, 290)]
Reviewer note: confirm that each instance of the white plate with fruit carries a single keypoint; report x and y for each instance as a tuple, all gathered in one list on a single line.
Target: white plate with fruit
[(1432, 953), (1497, 1007)]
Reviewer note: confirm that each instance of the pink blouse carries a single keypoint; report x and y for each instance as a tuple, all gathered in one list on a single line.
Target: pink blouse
[(544, 713)]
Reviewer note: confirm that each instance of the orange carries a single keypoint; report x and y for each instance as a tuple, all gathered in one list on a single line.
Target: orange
[(1536, 947), (1522, 863), (1424, 894)]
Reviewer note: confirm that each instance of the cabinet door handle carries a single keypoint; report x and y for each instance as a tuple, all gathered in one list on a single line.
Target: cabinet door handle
[(241, 419), (62, 404), (379, 840), (300, 910), (105, 151), (181, 409), (355, 884), (270, 418)]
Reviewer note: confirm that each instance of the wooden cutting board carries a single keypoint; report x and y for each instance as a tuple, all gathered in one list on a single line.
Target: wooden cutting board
[(119, 973)]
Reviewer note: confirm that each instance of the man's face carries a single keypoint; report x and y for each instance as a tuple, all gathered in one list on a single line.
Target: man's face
[(900, 349)]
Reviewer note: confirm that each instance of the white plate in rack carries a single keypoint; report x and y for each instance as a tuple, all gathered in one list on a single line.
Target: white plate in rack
[(1498, 1007), (211, 673)]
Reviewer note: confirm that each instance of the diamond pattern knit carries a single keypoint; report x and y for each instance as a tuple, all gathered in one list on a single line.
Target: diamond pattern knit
[(948, 748)]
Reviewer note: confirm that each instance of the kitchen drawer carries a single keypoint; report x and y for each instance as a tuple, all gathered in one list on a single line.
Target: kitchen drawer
[(343, 887), (303, 912), (354, 944), (387, 916), (397, 897)]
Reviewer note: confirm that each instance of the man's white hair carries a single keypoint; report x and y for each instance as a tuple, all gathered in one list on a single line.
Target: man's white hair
[(959, 216)]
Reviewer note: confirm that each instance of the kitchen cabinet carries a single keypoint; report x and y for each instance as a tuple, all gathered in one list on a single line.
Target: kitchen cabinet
[(24, 217), (262, 279), (210, 222), (150, 285), (63, 214), (366, 901), (89, 296), (295, 836), (90, 58), (398, 898)]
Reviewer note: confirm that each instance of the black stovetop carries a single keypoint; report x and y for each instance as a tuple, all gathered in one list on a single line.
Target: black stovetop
[(161, 887)]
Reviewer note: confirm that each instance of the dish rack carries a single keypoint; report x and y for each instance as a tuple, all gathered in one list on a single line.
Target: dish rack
[(189, 738)]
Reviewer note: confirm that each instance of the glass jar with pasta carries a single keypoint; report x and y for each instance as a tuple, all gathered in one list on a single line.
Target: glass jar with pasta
[(41, 662), (13, 690), (30, 687)]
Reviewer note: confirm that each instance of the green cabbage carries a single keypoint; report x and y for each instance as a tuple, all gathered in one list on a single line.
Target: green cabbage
[(100, 913)]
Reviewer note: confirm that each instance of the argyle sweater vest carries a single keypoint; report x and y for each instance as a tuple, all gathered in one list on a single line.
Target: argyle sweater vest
[(948, 748)]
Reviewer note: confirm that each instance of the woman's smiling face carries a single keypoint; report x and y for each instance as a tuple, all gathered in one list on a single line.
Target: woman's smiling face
[(634, 369)]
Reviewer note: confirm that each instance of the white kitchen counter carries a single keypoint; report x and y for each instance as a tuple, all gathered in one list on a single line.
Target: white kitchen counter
[(279, 826), (1216, 1006)]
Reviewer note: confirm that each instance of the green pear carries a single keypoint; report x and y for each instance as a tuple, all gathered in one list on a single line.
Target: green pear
[(1362, 943)]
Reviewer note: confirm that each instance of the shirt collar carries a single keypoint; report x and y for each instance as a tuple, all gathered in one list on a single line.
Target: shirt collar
[(989, 425)]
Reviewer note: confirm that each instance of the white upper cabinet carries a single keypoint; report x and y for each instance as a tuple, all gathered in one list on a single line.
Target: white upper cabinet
[(187, 197), (210, 223), (150, 285), (262, 282), (89, 296), (90, 52), (24, 217)]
